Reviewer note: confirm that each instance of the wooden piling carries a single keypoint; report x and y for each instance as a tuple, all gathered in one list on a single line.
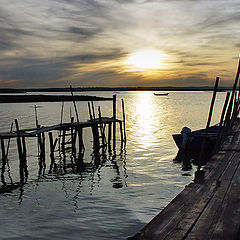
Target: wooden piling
[(109, 136), (114, 117), (51, 151), (20, 154), (93, 110), (90, 112), (124, 120), (74, 104), (199, 175)]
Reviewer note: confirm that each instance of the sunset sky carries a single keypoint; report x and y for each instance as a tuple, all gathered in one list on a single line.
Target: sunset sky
[(116, 43)]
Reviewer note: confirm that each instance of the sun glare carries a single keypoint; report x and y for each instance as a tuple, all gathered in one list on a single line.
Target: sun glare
[(146, 59)]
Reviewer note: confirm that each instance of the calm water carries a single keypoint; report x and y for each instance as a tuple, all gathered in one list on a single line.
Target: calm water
[(117, 198)]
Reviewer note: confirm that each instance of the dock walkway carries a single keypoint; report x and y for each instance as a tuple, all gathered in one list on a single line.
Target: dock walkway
[(210, 210)]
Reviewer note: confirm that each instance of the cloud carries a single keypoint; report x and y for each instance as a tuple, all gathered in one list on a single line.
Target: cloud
[(42, 44)]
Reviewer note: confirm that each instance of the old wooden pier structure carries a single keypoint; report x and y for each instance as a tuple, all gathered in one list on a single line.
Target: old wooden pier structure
[(69, 138)]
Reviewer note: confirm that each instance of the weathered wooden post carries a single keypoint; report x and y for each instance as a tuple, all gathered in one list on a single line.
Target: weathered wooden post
[(124, 120), (24, 150), (80, 141), (51, 151), (90, 112), (114, 117), (93, 111), (199, 174), (109, 136), (74, 104), (20, 154)]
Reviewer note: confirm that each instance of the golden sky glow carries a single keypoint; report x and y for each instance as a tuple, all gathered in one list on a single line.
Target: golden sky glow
[(118, 43)]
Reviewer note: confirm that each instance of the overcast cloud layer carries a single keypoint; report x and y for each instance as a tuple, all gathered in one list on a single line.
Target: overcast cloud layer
[(54, 43)]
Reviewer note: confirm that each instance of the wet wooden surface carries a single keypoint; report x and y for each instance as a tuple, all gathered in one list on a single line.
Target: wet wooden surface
[(210, 210)]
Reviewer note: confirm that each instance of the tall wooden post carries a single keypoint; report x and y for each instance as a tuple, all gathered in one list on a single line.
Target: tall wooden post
[(199, 175), (109, 136), (124, 120), (20, 154), (114, 117)]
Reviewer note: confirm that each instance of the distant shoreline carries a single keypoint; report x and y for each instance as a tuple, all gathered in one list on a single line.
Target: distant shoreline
[(48, 98), (88, 89)]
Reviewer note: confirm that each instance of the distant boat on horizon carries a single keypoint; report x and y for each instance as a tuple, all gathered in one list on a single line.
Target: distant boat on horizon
[(160, 94)]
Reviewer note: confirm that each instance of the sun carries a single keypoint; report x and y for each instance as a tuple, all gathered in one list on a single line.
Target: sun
[(146, 59)]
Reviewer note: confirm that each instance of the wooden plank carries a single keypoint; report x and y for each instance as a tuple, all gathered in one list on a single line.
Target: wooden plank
[(233, 143), (207, 220), (228, 225)]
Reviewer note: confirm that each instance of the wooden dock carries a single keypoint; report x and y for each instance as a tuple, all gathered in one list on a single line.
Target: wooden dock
[(68, 138), (207, 210)]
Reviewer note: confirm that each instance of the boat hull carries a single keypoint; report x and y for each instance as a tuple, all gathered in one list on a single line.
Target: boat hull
[(195, 142)]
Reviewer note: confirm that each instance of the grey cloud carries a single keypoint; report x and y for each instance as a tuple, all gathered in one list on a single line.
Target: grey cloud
[(92, 58)]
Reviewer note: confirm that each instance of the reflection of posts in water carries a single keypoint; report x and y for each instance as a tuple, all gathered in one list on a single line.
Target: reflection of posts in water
[(42, 156), (3, 161), (52, 148)]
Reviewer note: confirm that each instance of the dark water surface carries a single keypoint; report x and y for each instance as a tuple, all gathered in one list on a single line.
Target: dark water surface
[(112, 200)]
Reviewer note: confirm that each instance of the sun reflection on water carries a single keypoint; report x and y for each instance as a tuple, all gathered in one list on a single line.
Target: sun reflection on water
[(146, 121)]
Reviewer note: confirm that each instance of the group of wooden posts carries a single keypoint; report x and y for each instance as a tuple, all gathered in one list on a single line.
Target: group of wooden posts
[(70, 139), (229, 114)]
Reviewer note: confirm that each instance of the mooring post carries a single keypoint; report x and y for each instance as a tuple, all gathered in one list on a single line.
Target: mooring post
[(93, 110), (124, 120), (80, 141), (90, 112), (24, 150), (109, 136), (114, 117), (20, 153), (74, 104), (121, 133), (96, 143), (199, 174)]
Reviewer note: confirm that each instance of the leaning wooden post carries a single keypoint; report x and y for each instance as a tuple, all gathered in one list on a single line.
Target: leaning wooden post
[(93, 111), (199, 175), (124, 120), (20, 154), (114, 117)]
